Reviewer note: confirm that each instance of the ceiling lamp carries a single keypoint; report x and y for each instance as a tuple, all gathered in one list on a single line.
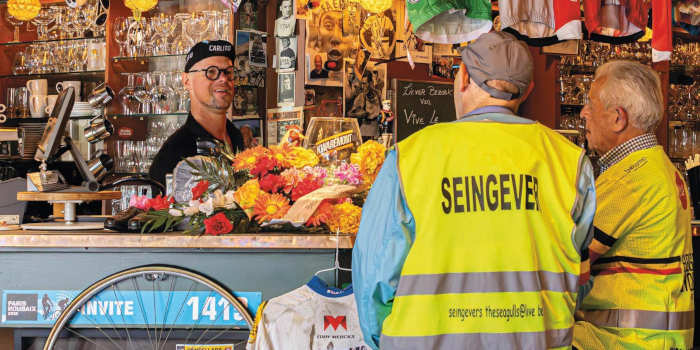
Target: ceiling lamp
[(376, 6), (23, 10), (139, 6)]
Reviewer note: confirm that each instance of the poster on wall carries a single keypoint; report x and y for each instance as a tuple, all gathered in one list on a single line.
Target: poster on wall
[(378, 34), (327, 44), (281, 120), (363, 94), (443, 67), (407, 43), (245, 72)]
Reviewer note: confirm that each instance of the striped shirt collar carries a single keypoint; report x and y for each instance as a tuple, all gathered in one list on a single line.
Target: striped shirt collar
[(624, 149)]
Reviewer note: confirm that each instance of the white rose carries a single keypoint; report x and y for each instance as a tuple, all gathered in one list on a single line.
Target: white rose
[(207, 207), (191, 210), (175, 212)]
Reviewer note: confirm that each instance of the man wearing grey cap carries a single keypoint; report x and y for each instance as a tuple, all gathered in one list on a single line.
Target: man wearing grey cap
[(208, 78), (475, 232)]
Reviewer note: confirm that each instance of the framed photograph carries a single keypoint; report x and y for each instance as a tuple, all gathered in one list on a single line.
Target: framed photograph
[(285, 22), (287, 54), (363, 92), (252, 131), (245, 102), (280, 120), (285, 89), (378, 34), (329, 40), (442, 66)]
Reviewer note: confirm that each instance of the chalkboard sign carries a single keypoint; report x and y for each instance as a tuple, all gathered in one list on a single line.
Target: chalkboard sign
[(418, 104)]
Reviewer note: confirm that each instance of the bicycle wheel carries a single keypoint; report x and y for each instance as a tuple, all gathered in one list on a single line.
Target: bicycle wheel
[(151, 307)]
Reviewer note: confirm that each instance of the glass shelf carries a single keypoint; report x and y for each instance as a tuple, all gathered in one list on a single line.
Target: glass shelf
[(140, 115), (145, 58), (94, 73), (46, 41)]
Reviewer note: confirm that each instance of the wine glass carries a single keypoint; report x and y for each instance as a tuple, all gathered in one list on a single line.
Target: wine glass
[(182, 42), (15, 23), (42, 21), (165, 27), (143, 91), (121, 34), (197, 26), (130, 104), (162, 96)]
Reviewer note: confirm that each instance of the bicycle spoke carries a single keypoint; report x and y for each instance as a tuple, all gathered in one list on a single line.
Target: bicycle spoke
[(167, 307), (200, 317), (213, 323), (99, 329), (155, 313), (182, 306), (143, 311), (86, 338), (114, 289), (110, 320)]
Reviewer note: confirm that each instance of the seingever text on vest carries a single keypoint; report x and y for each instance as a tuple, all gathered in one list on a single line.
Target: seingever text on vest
[(492, 192)]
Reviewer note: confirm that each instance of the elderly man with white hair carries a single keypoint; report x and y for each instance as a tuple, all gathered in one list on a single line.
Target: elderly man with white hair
[(641, 254)]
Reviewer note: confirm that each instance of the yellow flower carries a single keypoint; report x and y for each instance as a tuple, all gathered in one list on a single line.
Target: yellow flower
[(270, 206), (302, 157), (246, 160), (246, 195), (345, 217), (282, 154), (369, 157)]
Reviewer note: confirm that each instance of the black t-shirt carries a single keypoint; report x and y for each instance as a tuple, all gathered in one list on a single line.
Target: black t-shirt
[(183, 143)]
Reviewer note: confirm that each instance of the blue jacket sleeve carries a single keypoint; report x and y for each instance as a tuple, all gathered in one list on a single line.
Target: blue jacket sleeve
[(583, 217), (387, 231)]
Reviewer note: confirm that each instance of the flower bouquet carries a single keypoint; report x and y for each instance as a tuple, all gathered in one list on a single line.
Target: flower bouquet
[(256, 190)]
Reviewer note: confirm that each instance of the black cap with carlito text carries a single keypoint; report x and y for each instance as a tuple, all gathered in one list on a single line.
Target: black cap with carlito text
[(206, 49)]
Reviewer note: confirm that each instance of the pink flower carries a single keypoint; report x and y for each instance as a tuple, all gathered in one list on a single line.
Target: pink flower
[(141, 202), (349, 173)]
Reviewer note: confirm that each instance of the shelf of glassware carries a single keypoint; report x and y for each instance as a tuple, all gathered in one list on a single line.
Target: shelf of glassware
[(83, 74), (32, 42), (148, 115), (144, 58)]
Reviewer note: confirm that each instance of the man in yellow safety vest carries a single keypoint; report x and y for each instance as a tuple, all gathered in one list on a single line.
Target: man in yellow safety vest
[(641, 254), (475, 233)]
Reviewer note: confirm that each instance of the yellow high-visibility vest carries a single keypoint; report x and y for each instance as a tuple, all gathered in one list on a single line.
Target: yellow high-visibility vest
[(493, 264), (642, 296)]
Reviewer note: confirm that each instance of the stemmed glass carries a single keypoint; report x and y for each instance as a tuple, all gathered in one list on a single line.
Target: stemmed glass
[(165, 27), (127, 95), (184, 97), (15, 23), (161, 95), (42, 22), (182, 42), (197, 26), (121, 34), (143, 91)]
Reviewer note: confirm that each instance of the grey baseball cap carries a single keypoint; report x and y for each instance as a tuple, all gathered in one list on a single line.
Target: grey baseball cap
[(498, 56)]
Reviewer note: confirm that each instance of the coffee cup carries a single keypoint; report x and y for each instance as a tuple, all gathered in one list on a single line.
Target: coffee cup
[(3, 118), (37, 106), (61, 85), (38, 86), (50, 102), (2, 108)]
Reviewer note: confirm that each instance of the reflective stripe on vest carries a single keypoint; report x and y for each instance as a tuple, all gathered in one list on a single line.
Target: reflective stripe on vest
[(487, 282), (493, 264), (554, 338), (641, 319)]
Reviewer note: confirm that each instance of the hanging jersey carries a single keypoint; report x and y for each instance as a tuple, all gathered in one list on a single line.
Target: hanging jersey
[(621, 21), (548, 20), (314, 317), (449, 22)]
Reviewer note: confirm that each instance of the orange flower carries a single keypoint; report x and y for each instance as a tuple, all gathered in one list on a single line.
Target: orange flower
[(345, 217), (270, 206), (322, 214), (247, 159), (247, 194), (282, 154)]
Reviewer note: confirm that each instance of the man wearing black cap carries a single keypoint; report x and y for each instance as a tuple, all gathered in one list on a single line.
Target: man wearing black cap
[(208, 78), (475, 233)]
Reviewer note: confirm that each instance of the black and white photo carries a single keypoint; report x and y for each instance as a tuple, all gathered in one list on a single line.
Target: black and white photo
[(245, 73), (285, 22), (258, 49), (285, 89), (287, 53), (363, 95)]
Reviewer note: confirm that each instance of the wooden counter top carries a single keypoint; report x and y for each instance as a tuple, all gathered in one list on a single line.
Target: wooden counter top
[(109, 239)]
